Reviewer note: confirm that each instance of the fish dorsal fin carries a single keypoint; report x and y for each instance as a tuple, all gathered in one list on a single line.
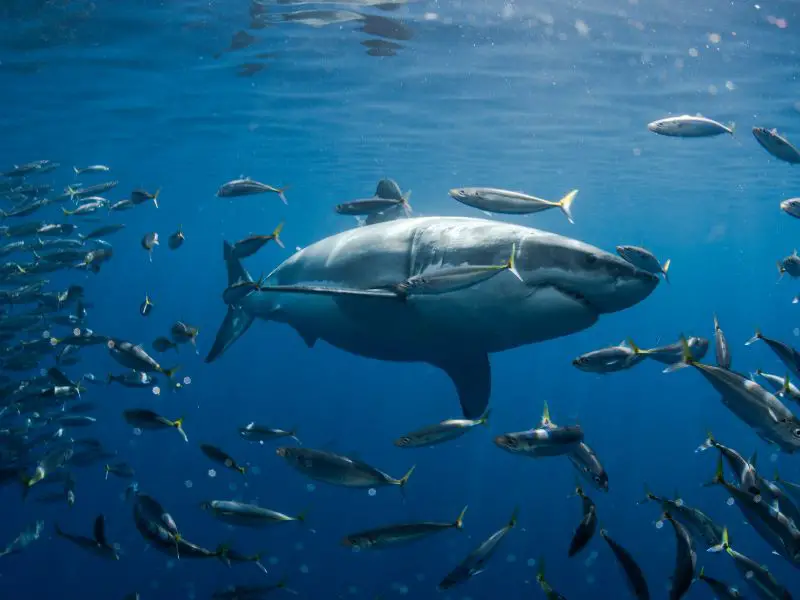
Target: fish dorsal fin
[(250, 425), (754, 459), (100, 530)]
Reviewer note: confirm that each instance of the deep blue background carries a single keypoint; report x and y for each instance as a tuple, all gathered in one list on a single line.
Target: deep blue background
[(484, 93)]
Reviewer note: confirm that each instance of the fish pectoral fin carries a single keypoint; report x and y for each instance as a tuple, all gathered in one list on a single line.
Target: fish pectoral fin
[(331, 291), (472, 376), (236, 322), (309, 338)]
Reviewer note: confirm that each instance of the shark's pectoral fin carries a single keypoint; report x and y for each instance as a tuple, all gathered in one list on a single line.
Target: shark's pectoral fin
[(472, 376), (309, 338), (236, 322)]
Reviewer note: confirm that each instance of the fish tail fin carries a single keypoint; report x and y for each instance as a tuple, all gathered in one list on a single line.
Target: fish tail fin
[(178, 424), (302, 516), (76, 170), (709, 443), (687, 360), (63, 210), (648, 495), (242, 470), (276, 235), (665, 269), (281, 194), (459, 522), (512, 522), (732, 127), (725, 544), (406, 206), (781, 271), (757, 336), (546, 415), (155, 197), (484, 420), (511, 265), (719, 475), (404, 479), (170, 373), (565, 204), (540, 572), (107, 469)]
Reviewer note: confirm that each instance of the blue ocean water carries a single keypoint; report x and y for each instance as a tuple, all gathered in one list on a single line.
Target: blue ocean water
[(541, 96)]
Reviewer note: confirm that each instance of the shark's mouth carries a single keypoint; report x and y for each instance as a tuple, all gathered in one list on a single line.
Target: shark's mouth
[(577, 297)]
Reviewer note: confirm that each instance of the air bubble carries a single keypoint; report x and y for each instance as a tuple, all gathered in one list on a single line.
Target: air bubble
[(46, 335), (372, 491), (730, 501), (679, 502), (757, 498), (531, 562), (187, 380), (76, 332), (749, 575), (137, 431), (188, 483), (311, 487), (255, 470), (212, 473), (403, 590), (157, 391), (796, 331), (773, 457), (304, 568), (659, 524)]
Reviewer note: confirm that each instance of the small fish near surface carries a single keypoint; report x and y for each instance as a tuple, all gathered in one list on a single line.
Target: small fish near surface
[(150, 241), (787, 355), (642, 258), (454, 279), (634, 576), (140, 196), (758, 577), (221, 457), (777, 145), (395, 535), (176, 240), (791, 207), (246, 515), (374, 205), (722, 350), (338, 470), (91, 169), (149, 420), (134, 357), (548, 439), (252, 244), (685, 560), (249, 187), (132, 379), (689, 126), (476, 561), (609, 360), (511, 203), (183, 334), (445, 431), (789, 265), (588, 525), (260, 433), (146, 307), (762, 411)]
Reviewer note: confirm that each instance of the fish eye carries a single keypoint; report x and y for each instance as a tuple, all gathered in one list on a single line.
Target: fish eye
[(796, 433), (590, 259), (403, 441)]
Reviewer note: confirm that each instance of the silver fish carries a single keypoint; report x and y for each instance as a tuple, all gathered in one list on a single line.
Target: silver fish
[(512, 203)]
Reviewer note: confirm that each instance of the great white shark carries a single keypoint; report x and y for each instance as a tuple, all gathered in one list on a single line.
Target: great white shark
[(336, 290)]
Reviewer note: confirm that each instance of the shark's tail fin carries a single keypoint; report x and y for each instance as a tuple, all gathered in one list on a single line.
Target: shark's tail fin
[(237, 320)]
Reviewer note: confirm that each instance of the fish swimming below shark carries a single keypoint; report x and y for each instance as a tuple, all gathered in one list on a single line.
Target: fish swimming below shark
[(338, 290)]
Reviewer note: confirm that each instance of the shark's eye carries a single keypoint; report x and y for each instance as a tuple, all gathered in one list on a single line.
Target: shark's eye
[(590, 259)]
